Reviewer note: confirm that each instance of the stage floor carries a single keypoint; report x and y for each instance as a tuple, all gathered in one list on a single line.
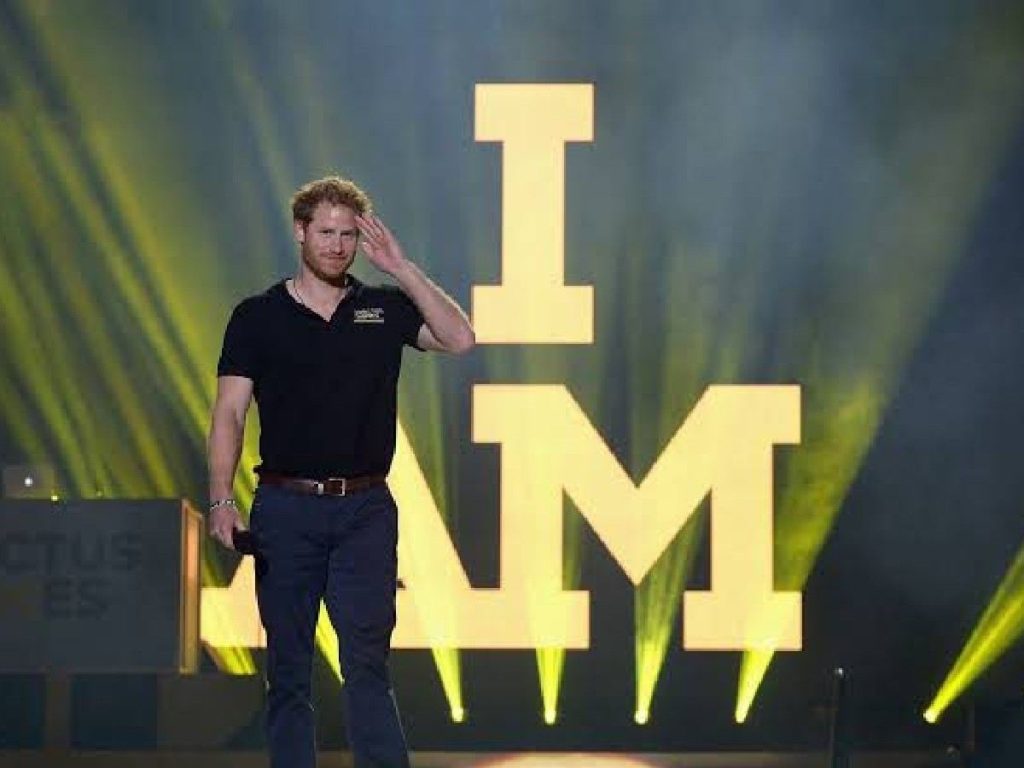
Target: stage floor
[(235, 759)]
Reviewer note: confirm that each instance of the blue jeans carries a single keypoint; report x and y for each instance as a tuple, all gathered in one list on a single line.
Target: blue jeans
[(340, 549)]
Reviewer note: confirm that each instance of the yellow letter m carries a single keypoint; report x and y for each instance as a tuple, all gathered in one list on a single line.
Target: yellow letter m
[(725, 448)]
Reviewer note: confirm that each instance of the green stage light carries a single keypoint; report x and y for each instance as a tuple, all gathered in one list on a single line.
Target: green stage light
[(550, 663), (752, 670), (999, 627)]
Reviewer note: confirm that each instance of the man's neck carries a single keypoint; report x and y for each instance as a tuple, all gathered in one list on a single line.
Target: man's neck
[(318, 292), (317, 295)]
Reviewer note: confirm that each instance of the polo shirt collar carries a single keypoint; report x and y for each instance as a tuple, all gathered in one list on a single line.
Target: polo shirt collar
[(280, 291)]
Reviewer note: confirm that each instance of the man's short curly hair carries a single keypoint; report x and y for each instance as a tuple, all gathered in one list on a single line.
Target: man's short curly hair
[(332, 189)]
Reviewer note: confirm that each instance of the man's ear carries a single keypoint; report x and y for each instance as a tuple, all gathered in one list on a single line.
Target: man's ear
[(299, 229)]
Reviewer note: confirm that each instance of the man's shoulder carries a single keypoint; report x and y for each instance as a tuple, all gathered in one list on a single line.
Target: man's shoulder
[(383, 293), (375, 291), (258, 303)]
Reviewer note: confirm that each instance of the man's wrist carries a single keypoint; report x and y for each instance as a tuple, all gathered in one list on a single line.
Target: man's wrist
[(226, 501), (404, 272)]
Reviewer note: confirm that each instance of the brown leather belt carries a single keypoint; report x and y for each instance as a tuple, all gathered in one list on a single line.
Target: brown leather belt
[(332, 486)]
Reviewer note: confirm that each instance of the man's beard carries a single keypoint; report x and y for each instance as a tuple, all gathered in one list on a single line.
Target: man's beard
[(332, 278)]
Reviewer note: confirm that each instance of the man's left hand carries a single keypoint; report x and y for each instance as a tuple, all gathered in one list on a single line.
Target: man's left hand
[(380, 246)]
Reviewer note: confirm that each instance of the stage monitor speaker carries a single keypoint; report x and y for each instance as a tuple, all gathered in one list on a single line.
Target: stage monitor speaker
[(99, 586)]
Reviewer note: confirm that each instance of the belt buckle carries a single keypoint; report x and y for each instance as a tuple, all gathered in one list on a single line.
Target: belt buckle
[(344, 485)]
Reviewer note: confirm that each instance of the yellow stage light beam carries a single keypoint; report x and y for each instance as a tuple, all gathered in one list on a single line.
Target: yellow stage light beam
[(435, 610), (70, 400), (697, 349), (17, 412), (818, 475), (999, 627), (657, 598), (137, 265), (421, 412), (62, 167), (925, 224), (186, 352), (42, 368), (114, 386), (657, 602), (161, 462), (126, 279)]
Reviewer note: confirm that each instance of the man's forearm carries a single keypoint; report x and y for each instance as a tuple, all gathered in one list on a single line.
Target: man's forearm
[(225, 448), (443, 316)]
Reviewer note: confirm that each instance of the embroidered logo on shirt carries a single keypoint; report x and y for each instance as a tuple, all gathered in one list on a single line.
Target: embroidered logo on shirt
[(368, 315)]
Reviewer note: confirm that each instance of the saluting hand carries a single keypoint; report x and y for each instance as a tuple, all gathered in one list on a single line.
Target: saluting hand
[(380, 246)]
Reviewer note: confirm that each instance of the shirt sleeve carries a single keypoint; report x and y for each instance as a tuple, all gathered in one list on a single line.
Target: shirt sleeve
[(238, 356), (410, 319)]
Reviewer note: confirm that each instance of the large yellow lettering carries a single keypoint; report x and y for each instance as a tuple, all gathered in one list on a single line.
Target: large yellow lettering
[(440, 609), (724, 447), (532, 305)]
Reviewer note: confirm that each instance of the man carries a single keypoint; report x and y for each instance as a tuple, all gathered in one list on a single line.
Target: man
[(321, 353)]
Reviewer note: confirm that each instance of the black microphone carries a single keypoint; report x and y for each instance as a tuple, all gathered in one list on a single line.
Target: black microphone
[(243, 541)]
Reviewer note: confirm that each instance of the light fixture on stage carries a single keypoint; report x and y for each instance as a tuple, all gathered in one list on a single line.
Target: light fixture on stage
[(1000, 626), (550, 716), (458, 715), (641, 716), (29, 481)]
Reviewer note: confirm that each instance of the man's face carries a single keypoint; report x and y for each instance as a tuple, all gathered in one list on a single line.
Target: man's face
[(329, 241)]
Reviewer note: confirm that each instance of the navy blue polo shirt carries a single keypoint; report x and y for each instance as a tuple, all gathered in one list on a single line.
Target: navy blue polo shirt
[(326, 391)]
